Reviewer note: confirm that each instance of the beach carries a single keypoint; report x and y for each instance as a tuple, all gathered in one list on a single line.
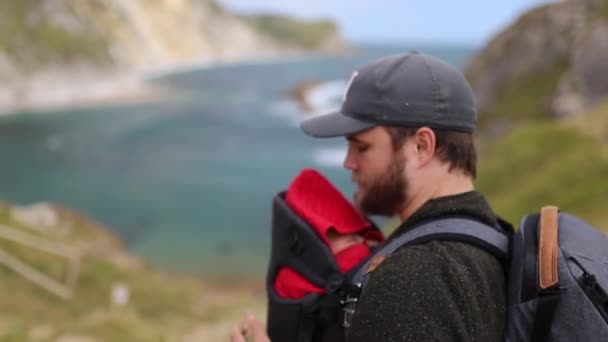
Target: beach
[(81, 86)]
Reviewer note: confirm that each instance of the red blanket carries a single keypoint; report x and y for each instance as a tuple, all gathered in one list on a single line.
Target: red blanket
[(313, 198)]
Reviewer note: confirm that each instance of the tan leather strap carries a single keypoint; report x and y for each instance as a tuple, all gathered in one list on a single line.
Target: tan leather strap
[(548, 247), (376, 261)]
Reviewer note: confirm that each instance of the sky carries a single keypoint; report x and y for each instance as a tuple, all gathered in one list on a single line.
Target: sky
[(434, 21)]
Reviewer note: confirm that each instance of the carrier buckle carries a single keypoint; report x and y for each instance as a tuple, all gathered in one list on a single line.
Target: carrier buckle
[(349, 304)]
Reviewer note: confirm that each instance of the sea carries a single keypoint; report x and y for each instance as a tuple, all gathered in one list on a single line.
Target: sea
[(187, 180)]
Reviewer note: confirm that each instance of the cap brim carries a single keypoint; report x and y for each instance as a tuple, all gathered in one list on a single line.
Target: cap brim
[(333, 125)]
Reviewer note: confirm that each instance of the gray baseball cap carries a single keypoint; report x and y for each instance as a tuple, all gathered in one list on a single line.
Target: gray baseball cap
[(410, 90)]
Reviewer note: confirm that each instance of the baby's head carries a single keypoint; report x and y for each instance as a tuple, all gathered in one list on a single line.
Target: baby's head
[(339, 242), (349, 249), (336, 221)]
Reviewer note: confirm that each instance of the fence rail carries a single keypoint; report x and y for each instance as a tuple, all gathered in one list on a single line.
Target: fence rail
[(64, 289)]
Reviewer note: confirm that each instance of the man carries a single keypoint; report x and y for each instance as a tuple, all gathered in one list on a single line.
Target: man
[(408, 120)]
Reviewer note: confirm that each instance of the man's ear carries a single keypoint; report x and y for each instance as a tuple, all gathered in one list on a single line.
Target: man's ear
[(425, 145)]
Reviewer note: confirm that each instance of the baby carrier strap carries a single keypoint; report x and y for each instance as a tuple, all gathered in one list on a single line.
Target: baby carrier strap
[(452, 229)]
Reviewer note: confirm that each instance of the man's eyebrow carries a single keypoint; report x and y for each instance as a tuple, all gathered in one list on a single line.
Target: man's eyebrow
[(353, 138)]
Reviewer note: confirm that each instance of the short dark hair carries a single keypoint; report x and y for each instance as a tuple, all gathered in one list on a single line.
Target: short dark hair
[(453, 147)]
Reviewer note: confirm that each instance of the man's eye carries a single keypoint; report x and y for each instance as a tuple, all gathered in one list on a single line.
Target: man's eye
[(362, 149)]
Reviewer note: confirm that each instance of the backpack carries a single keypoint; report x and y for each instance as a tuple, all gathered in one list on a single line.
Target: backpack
[(556, 266)]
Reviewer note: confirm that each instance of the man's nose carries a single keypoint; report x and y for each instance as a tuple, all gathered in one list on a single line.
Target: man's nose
[(349, 163)]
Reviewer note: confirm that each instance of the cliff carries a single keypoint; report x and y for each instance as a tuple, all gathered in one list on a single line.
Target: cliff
[(542, 90), (50, 50), (550, 63)]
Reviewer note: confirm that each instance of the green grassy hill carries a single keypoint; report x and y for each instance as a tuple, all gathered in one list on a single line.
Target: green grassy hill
[(310, 34), (547, 64), (162, 307), (543, 129), (41, 36), (549, 162), (29, 36)]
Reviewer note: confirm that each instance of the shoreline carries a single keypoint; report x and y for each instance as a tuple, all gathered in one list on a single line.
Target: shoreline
[(317, 97), (86, 87), (53, 91), (162, 71)]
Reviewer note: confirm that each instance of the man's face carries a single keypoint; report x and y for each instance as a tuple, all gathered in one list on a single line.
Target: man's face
[(378, 170)]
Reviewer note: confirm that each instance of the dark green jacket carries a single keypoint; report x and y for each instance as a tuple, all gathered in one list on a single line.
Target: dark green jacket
[(439, 291)]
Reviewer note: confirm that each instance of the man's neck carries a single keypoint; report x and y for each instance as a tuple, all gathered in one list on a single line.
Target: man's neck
[(456, 183)]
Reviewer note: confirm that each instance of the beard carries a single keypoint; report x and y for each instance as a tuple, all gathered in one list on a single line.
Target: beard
[(385, 194)]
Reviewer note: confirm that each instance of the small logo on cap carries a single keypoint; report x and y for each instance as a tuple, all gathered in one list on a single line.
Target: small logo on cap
[(350, 82)]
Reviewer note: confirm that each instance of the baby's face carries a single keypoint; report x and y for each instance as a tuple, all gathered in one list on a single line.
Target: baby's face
[(338, 242)]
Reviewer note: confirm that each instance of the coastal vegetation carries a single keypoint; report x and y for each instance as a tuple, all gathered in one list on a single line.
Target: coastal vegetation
[(47, 47), (542, 92), (35, 40), (312, 34), (547, 163), (160, 306)]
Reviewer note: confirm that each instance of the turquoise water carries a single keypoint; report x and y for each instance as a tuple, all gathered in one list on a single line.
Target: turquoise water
[(188, 181)]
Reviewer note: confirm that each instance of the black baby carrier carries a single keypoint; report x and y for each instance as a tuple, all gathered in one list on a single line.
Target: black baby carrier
[(556, 266)]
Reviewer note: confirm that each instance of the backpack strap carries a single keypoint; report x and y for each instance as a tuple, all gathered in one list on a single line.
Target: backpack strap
[(548, 245), (549, 295), (452, 229)]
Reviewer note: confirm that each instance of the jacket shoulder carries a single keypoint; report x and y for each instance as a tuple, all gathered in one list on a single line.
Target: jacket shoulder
[(433, 292)]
